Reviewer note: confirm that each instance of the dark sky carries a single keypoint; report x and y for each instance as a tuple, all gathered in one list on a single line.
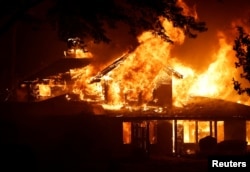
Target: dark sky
[(37, 48)]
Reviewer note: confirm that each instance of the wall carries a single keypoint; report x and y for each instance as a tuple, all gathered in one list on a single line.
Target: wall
[(235, 129)]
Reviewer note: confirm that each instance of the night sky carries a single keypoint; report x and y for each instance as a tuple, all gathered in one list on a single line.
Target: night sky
[(38, 45)]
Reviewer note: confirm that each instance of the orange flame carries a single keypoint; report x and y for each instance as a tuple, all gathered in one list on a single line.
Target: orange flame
[(137, 76), (81, 85), (187, 11), (77, 53), (215, 82), (44, 90)]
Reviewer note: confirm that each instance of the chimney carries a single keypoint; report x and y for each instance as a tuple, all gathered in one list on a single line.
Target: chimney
[(162, 94)]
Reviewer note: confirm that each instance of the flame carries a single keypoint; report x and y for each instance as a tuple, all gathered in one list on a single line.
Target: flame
[(217, 78), (139, 74), (187, 11), (214, 82), (44, 90), (126, 132), (81, 84), (78, 53), (135, 79), (143, 69), (145, 64)]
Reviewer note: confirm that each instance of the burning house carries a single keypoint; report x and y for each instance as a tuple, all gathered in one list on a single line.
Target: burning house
[(144, 100), (157, 127), (51, 81), (136, 112)]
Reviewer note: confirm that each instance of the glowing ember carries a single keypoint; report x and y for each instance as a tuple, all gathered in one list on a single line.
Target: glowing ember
[(112, 107)]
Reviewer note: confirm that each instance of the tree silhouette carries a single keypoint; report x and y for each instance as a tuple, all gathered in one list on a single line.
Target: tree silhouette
[(242, 49), (93, 18), (72, 19)]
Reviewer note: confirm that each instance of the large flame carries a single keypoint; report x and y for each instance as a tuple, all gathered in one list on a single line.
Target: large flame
[(137, 76), (214, 82), (77, 53), (140, 70), (138, 73)]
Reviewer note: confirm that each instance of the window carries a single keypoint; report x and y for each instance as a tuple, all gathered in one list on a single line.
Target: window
[(142, 131), (188, 130), (248, 132), (126, 128), (203, 129)]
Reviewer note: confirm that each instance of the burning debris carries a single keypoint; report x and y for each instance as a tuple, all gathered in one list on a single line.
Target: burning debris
[(55, 79), (174, 72), (76, 49), (109, 68)]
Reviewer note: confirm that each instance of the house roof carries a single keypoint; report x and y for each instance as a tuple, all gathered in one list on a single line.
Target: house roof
[(200, 108)]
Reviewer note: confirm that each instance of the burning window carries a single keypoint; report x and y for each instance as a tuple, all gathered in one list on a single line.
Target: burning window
[(126, 128), (188, 130), (248, 132), (142, 130), (203, 129), (220, 131)]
